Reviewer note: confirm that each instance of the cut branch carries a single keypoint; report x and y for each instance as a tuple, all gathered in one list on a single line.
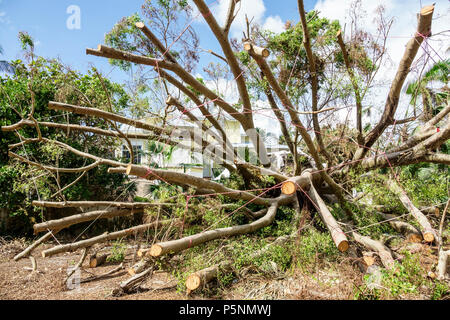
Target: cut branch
[(87, 204), (185, 179), (78, 265), (109, 116), (423, 31), (339, 237), (441, 268), (383, 252), (82, 217), (175, 246), (429, 234), (258, 51), (35, 244), (111, 53), (102, 238), (96, 261), (202, 277), (411, 233)]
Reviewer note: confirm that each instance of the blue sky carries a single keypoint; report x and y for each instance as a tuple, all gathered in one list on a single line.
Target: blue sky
[(45, 21)]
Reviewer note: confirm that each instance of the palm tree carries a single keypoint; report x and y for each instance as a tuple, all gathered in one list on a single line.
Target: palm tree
[(432, 99), (5, 66)]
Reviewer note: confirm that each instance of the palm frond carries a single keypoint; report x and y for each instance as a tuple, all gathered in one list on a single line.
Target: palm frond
[(5, 66)]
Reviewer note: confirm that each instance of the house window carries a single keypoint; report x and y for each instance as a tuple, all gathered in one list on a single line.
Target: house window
[(137, 150)]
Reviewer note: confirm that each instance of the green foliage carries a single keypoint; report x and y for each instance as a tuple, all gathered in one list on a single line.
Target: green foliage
[(314, 247), (277, 258), (117, 251), (124, 36), (406, 277), (426, 184), (26, 41), (292, 60), (440, 290), (51, 81), (432, 99), (166, 19)]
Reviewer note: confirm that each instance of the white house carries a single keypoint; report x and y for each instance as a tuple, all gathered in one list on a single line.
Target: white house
[(188, 161)]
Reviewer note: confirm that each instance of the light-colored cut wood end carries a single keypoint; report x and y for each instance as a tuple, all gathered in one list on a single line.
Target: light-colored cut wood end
[(247, 46), (436, 212), (427, 10), (193, 282), (428, 237), (155, 250), (288, 188), (368, 260), (131, 272), (140, 25), (265, 53)]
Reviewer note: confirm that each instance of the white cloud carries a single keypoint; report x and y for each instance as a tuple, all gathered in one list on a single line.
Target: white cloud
[(274, 24), (4, 18), (405, 21), (403, 28), (255, 11)]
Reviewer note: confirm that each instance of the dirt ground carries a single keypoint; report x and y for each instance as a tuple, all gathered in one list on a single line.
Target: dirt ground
[(18, 282)]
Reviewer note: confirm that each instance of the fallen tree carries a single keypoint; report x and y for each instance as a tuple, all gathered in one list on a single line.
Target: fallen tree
[(322, 174), (429, 234), (102, 238)]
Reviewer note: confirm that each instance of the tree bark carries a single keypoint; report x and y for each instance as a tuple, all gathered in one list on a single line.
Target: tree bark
[(423, 30), (82, 217), (102, 238), (383, 252), (87, 204), (96, 260), (185, 179), (429, 234), (175, 246), (411, 233), (339, 237), (35, 244), (442, 264)]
